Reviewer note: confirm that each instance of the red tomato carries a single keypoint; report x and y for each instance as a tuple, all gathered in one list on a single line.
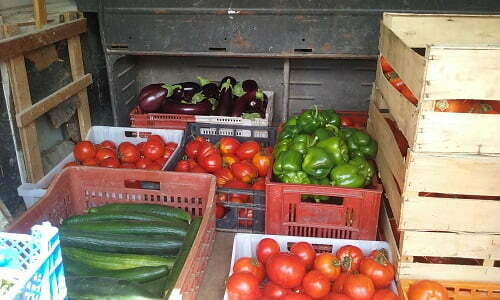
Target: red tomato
[(107, 144), (259, 184), (84, 150), (140, 147), (90, 162), (154, 166), (265, 248), (229, 159), (385, 295), (489, 107), (104, 153), (456, 106), (251, 265), (143, 163), (71, 164), (386, 67), (223, 176), (243, 286), (285, 269), (427, 290), (205, 150), (211, 162), (245, 216), (133, 184), (197, 169), (248, 149), (236, 184), (127, 166), (350, 257), (395, 80), (379, 269), (228, 145), (244, 171), (161, 161), (155, 137), (338, 284), (192, 148), (170, 147), (262, 161), (153, 149), (398, 135), (182, 166), (359, 287), (345, 121), (110, 163), (327, 264), (333, 296), (128, 152), (295, 296), (275, 291), (305, 252), (220, 211), (406, 92), (316, 284)]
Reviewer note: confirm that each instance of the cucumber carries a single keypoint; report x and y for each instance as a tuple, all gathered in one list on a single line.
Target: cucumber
[(103, 288), (115, 261), (132, 216), (138, 275), (183, 254), (120, 226), (156, 287), (157, 209), (122, 243)]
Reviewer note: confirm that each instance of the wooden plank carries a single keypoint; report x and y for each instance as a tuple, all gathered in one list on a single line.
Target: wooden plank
[(40, 13), (463, 73), (22, 100), (418, 30), (448, 272), (452, 174), (448, 244), (407, 63), (28, 115), (458, 132), (390, 187), (15, 46), (450, 214), (389, 235)]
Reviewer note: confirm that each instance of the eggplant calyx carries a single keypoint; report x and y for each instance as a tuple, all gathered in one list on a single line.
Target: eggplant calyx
[(171, 88), (238, 90), (214, 103), (250, 116), (226, 85), (203, 81), (198, 97), (259, 95)]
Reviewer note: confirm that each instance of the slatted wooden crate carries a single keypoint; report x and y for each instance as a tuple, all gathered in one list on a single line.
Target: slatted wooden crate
[(460, 60)]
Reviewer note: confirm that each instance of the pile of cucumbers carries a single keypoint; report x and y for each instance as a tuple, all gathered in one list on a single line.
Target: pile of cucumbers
[(126, 251)]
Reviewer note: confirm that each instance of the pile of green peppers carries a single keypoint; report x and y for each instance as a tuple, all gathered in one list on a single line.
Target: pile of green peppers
[(312, 148)]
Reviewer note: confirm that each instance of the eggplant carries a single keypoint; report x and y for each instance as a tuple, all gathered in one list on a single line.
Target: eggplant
[(258, 104), (210, 90), (151, 97), (249, 85), (242, 104), (231, 80), (189, 89), (170, 106), (203, 81), (225, 99)]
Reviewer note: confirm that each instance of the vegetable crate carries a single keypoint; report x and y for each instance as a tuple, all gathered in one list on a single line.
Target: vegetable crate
[(239, 217), (458, 290), (179, 121), (32, 192), (33, 264), (244, 245), (76, 189), (461, 61)]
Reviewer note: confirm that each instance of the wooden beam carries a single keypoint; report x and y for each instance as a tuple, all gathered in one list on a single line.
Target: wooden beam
[(39, 13), (30, 114), (17, 45)]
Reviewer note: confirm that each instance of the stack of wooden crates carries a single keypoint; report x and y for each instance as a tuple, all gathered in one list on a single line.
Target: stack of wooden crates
[(454, 157)]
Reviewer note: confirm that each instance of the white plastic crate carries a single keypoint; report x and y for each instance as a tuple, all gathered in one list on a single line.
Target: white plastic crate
[(33, 263), (244, 245), (32, 192)]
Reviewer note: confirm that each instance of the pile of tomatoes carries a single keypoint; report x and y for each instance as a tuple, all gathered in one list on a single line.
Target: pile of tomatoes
[(152, 154), (303, 274)]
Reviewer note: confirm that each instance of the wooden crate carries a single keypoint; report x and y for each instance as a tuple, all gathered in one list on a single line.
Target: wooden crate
[(459, 290), (461, 61)]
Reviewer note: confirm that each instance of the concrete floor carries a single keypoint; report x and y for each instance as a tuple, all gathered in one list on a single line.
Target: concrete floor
[(213, 285)]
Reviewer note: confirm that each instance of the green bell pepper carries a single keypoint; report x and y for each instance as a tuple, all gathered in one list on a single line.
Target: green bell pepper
[(318, 181), (299, 147), (337, 149), (292, 121), (331, 117), (325, 132), (360, 144), (310, 120), (289, 132), (355, 174), (281, 146), (287, 161), (317, 162), (299, 177), (302, 142)]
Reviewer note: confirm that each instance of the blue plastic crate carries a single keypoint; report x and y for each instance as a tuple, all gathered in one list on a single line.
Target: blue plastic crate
[(33, 264)]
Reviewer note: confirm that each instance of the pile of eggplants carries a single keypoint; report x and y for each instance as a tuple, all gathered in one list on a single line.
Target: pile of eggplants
[(229, 98)]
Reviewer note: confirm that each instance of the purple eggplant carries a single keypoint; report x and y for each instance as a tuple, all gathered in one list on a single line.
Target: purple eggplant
[(189, 89), (231, 80), (242, 104), (210, 90), (225, 99), (170, 106), (249, 85), (258, 104), (151, 97)]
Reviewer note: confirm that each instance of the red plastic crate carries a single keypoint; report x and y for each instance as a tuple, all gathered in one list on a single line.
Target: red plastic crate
[(159, 120), (76, 189)]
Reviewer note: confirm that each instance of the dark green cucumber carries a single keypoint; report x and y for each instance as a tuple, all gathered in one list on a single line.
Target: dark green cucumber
[(157, 209), (183, 254), (156, 287), (115, 261), (103, 288), (122, 243), (121, 226), (131, 216)]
